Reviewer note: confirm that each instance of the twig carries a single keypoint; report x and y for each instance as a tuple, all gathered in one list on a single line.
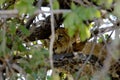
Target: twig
[(1, 75), (8, 13), (54, 11), (3, 44), (80, 70), (107, 62), (52, 36)]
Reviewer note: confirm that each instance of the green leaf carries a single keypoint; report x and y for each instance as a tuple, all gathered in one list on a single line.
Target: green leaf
[(109, 3), (56, 5), (105, 3), (100, 40), (38, 57), (21, 6), (117, 9), (25, 65), (12, 28), (73, 6), (2, 1), (71, 31), (70, 23), (49, 78), (84, 32), (24, 30), (74, 20), (21, 47), (70, 20), (87, 13), (25, 6)]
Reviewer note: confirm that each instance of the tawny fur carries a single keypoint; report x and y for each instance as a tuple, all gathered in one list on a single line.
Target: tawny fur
[(65, 44), (62, 43)]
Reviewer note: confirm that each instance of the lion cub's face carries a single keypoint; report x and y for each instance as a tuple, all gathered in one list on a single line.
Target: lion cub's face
[(62, 43)]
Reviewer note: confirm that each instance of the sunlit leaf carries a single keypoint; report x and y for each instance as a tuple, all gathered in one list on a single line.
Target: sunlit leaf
[(34, 42), (100, 40), (109, 3), (84, 32), (74, 20), (2, 1), (56, 5)]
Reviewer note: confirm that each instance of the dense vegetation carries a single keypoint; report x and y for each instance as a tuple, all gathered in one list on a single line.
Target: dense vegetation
[(25, 25)]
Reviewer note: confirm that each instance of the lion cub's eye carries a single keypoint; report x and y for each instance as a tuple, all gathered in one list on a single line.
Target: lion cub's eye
[(60, 37)]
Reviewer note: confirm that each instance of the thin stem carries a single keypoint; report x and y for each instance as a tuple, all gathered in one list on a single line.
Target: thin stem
[(3, 37), (54, 11), (80, 70), (52, 36), (8, 13)]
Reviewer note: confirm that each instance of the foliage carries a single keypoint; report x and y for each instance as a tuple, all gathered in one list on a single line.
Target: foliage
[(25, 6), (56, 5), (34, 59), (117, 9), (74, 20)]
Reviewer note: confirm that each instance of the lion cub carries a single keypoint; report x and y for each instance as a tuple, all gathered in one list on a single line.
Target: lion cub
[(65, 44), (62, 42)]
